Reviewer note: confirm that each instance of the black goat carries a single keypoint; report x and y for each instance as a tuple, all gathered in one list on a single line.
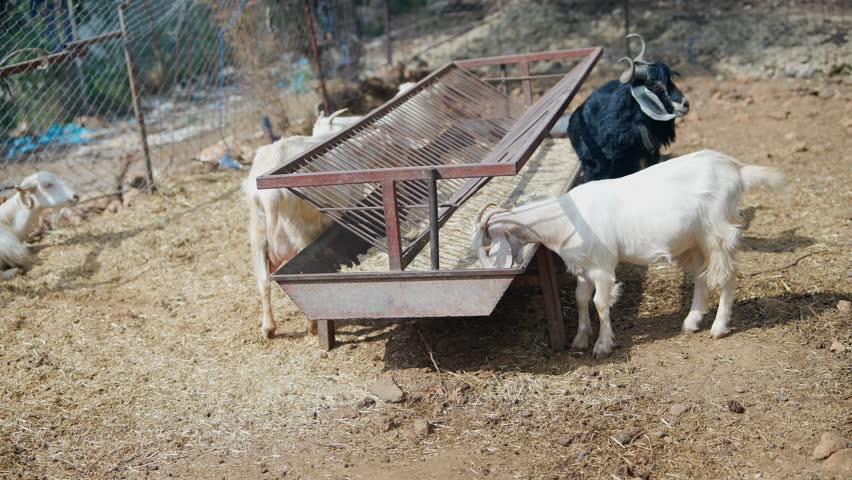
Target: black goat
[(623, 122)]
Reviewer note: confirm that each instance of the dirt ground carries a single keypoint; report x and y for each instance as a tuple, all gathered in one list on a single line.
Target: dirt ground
[(133, 350)]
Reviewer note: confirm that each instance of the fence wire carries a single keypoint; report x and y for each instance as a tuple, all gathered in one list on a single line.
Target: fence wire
[(206, 73), (209, 73)]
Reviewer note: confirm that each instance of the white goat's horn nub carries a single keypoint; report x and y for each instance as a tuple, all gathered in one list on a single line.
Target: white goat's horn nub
[(641, 57)]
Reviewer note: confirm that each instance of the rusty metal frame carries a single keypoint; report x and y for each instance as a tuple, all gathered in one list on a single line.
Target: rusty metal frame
[(508, 158)]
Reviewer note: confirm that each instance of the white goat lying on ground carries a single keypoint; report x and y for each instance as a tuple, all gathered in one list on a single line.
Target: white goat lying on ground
[(683, 210), (19, 216)]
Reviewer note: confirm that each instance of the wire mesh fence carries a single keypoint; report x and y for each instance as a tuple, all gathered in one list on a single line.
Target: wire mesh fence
[(205, 74), (208, 72)]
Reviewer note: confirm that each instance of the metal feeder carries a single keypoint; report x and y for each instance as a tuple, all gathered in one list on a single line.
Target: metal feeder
[(391, 181)]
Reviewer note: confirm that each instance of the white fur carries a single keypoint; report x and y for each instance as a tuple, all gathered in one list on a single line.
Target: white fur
[(683, 210), (19, 216), (334, 123), (404, 87), (280, 223)]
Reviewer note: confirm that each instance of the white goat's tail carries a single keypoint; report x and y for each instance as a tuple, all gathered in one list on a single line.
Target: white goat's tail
[(756, 176)]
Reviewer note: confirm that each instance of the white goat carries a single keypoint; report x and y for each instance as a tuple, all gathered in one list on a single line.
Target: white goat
[(19, 216), (280, 223), (683, 210), (334, 123)]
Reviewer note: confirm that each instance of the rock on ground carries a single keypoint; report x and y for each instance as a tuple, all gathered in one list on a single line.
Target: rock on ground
[(344, 413), (678, 409), (422, 427), (829, 443), (836, 346), (386, 390), (839, 465), (623, 437)]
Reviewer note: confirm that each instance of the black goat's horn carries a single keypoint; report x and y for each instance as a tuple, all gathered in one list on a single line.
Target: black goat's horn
[(640, 59), (634, 71), (630, 72)]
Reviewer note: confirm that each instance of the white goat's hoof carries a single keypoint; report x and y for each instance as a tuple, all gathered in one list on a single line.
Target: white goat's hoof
[(716, 334), (267, 331), (690, 323), (580, 343), (601, 350), (10, 273), (689, 329)]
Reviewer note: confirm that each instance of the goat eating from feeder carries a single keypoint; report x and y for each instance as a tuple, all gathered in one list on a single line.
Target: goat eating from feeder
[(625, 121), (682, 211)]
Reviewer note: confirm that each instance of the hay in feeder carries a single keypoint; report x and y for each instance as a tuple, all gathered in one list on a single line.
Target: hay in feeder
[(545, 176)]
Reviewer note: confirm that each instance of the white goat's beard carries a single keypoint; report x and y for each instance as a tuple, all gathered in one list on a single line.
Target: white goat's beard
[(651, 104)]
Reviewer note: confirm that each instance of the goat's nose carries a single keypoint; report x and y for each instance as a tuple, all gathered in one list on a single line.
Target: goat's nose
[(686, 102), (76, 198)]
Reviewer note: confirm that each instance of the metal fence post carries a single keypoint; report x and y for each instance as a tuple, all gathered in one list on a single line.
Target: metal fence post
[(313, 38), (627, 28), (388, 44), (137, 108)]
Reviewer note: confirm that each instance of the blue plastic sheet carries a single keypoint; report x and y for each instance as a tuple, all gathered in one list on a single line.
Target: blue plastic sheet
[(69, 134)]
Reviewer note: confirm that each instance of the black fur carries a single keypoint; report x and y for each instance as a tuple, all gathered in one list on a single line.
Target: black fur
[(606, 130)]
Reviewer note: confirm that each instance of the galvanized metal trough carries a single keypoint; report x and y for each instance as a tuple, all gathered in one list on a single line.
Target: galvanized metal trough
[(393, 179)]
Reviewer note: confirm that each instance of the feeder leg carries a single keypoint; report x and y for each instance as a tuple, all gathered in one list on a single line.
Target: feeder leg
[(325, 331), (552, 307)]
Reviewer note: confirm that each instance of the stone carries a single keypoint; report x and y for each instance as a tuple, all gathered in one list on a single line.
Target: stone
[(829, 443), (623, 437), (836, 346), (365, 402), (735, 406), (386, 390), (344, 413), (782, 396), (422, 427), (740, 389), (678, 409), (839, 464), (844, 306)]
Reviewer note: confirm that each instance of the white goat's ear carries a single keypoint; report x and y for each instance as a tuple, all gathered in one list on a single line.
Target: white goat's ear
[(26, 197), (29, 185), (481, 250), (500, 252)]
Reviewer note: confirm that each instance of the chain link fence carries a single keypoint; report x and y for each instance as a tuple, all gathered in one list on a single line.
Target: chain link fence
[(206, 74), (209, 73)]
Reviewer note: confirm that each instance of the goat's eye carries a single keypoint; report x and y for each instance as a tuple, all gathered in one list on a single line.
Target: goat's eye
[(48, 185)]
